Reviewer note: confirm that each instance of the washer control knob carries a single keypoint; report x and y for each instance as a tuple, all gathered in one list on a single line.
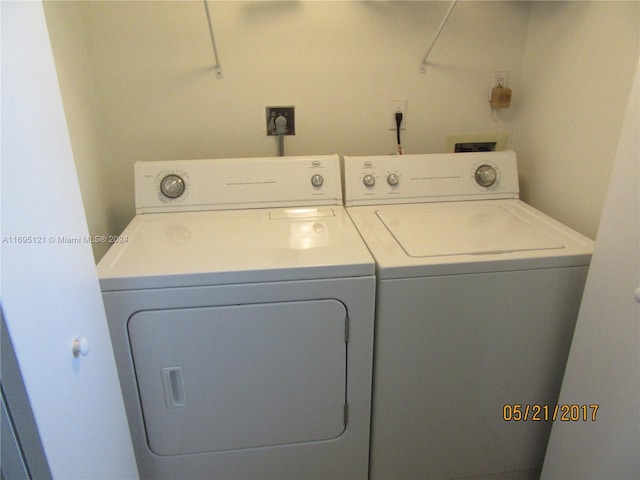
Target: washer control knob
[(317, 180), (369, 180), (486, 175), (393, 179), (172, 186)]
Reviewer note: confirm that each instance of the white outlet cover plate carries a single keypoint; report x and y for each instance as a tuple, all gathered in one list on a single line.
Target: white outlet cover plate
[(397, 106)]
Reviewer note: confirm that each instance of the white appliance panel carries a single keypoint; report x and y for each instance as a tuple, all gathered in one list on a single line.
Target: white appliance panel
[(239, 183), (464, 229), (449, 238), (417, 178), (477, 298), (240, 303), (199, 248), (451, 351), (343, 457), (245, 376)]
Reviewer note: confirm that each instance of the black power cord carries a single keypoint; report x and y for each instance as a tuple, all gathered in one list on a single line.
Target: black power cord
[(398, 123)]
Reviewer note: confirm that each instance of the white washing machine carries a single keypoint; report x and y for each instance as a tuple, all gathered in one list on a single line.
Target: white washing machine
[(477, 298), (240, 302)]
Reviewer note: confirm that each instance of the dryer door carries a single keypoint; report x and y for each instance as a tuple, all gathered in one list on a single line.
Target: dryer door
[(240, 376)]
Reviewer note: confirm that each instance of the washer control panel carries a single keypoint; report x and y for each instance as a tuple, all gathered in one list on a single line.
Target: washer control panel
[(435, 177), (221, 184)]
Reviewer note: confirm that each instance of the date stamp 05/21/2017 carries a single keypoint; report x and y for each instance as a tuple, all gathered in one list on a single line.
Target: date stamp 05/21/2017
[(515, 412)]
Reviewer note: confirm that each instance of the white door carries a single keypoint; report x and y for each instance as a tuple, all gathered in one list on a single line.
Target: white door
[(50, 292), (604, 364)]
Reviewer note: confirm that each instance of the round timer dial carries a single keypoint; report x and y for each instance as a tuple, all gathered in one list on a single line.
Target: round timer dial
[(369, 180), (317, 180), (172, 186), (486, 175)]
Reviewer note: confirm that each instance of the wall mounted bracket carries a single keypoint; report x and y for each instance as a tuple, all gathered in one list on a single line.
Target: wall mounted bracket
[(423, 65), (217, 68)]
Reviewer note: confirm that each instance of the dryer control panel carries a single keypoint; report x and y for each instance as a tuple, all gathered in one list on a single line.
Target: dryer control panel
[(227, 184), (437, 177)]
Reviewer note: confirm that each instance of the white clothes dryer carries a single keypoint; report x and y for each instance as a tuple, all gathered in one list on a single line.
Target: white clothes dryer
[(240, 302), (477, 298)]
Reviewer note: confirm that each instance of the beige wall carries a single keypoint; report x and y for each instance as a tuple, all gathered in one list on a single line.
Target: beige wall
[(147, 67), (577, 73), (138, 84), (67, 33)]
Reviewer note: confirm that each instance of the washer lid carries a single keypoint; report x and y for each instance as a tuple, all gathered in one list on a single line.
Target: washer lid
[(243, 246), (451, 238), (465, 229)]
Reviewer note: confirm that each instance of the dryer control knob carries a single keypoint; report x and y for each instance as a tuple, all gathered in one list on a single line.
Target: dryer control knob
[(369, 180), (172, 186), (317, 180), (393, 179), (636, 294), (486, 175)]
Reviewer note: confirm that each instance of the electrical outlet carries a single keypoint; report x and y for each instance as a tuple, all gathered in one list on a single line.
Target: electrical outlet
[(394, 107), (286, 112), (500, 79), (499, 98)]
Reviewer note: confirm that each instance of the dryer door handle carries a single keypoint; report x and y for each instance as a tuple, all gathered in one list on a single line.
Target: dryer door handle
[(173, 385)]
